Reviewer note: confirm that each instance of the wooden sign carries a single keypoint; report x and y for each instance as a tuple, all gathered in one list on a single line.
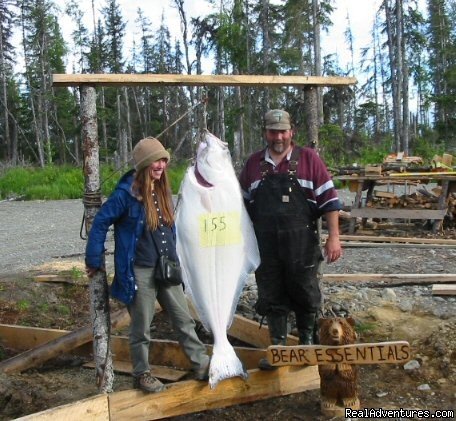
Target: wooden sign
[(369, 353)]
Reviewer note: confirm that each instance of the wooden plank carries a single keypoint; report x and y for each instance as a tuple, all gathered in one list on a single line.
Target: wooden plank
[(444, 289), (57, 278), (403, 278), (159, 371), (162, 352), (186, 397), (398, 213), (354, 244), (410, 177), (387, 194), (197, 80), (46, 351), (196, 396), (246, 330), (423, 174), (250, 332), (415, 240), (368, 353), (94, 408)]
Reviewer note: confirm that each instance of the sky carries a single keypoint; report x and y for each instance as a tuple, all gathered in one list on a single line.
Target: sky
[(359, 12)]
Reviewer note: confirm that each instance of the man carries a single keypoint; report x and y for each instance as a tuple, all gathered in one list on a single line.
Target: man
[(286, 189)]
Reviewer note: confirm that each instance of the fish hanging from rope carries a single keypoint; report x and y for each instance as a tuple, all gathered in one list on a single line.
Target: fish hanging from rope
[(217, 248)]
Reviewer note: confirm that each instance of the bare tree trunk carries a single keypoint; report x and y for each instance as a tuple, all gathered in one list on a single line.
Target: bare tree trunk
[(138, 112), (221, 113), (404, 81), (264, 22), (128, 122), (393, 56), (317, 55), (6, 134), (99, 298), (311, 115), (398, 76), (123, 150), (104, 128), (43, 92)]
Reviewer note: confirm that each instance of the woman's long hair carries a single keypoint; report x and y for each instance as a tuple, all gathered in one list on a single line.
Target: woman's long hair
[(142, 188)]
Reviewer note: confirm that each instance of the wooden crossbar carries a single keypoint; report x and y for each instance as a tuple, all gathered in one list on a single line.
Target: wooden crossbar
[(197, 80)]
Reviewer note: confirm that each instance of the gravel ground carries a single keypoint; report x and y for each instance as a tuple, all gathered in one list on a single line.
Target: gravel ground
[(35, 233)]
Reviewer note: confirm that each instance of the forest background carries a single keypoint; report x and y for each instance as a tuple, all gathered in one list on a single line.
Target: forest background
[(412, 50)]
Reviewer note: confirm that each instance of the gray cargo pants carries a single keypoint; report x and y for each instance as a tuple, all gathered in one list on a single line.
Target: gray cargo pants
[(142, 310)]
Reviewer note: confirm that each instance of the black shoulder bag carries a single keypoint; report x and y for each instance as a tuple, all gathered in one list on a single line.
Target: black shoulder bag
[(167, 272)]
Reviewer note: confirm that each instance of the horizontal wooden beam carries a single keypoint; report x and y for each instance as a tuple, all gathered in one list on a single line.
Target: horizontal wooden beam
[(444, 289), (186, 397), (195, 396), (361, 244), (162, 352), (398, 213), (197, 80), (386, 239), (403, 278)]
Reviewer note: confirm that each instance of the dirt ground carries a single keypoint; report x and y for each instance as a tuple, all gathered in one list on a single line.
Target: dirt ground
[(24, 301), (382, 313)]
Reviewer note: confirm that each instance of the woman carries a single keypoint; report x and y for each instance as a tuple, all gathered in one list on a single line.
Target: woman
[(141, 210)]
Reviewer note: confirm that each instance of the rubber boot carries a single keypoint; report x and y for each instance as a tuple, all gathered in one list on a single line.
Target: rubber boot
[(305, 322), (277, 326)]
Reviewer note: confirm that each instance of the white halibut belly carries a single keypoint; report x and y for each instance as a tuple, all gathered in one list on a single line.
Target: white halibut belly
[(212, 273), (217, 249)]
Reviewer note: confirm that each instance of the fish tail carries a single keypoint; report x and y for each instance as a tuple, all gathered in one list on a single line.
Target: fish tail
[(225, 365)]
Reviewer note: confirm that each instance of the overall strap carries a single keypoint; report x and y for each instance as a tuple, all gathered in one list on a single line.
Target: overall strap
[(266, 167), (294, 160)]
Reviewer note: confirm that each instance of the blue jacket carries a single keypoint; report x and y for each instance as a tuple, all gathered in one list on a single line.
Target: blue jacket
[(127, 214)]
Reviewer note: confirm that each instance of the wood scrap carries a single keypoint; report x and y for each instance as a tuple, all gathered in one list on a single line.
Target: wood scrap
[(186, 397), (396, 279), (162, 352), (444, 289), (37, 356), (388, 239)]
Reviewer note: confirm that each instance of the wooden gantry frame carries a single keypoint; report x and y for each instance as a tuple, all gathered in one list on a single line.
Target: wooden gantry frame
[(188, 396)]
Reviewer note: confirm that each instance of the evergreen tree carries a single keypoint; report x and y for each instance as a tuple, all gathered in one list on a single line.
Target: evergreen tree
[(8, 148)]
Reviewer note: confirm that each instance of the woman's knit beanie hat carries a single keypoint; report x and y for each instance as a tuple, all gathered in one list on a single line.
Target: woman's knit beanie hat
[(148, 150)]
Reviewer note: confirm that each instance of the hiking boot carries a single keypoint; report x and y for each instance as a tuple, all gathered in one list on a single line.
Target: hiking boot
[(263, 364), (148, 383)]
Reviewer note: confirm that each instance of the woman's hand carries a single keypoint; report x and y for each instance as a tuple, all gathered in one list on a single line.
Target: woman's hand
[(92, 271)]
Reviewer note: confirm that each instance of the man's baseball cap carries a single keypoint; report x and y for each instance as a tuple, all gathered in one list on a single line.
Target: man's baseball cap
[(277, 120)]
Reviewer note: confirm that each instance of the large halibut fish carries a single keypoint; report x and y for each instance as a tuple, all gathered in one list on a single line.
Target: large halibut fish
[(217, 248)]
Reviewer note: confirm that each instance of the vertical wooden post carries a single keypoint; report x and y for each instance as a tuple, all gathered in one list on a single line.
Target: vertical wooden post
[(99, 297), (311, 115)]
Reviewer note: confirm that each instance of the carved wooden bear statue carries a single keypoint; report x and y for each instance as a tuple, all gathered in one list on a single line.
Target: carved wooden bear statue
[(338, 382)]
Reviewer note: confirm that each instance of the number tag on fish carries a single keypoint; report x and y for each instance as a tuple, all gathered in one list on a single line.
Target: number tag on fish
[(285, 198), (220, 229)]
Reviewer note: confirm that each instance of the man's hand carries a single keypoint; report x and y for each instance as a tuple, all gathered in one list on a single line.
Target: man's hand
[(333, 248)]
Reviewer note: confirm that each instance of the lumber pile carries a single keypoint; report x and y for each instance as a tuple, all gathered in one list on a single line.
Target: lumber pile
[(420, 199), (400, 163), (416, 200)]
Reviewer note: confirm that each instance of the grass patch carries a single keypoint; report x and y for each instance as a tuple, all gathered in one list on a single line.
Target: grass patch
[(65, 182), (23, 305)]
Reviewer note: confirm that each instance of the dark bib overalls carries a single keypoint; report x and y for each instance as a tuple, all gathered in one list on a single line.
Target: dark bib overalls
[(288, 241)]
